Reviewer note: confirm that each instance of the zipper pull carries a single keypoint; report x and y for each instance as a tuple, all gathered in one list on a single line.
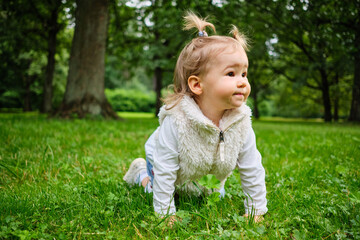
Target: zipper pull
[(222, 146), (221, 136)]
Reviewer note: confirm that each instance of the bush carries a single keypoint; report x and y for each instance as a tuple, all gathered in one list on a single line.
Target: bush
[(124, 100)]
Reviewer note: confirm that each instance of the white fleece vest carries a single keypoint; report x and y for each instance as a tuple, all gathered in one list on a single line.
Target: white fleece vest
[(201, 149)]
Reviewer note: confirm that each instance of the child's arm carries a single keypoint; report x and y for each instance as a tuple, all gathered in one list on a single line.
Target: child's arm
[(252, 176), (166, 166)]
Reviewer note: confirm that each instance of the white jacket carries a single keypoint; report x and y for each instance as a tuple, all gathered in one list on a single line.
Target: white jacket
[(188, 145)]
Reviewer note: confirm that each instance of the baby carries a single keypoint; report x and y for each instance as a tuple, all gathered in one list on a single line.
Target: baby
[(205, 125)]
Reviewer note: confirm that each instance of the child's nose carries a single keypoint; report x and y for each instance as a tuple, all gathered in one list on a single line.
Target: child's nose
[(241, 83)]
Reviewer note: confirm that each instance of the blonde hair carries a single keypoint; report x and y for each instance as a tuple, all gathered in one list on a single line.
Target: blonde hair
[(196, 55)]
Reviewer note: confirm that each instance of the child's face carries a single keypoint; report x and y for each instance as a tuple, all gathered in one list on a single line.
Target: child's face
[(225, 85)]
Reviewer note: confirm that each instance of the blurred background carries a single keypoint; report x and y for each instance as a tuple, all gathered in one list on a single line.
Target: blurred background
[(304, 56)]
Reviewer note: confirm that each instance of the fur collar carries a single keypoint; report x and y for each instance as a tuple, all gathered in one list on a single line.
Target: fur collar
[(193, 113)]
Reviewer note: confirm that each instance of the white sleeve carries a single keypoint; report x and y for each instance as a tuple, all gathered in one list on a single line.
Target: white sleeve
[(150, 146), (252, 176), (166, 165)]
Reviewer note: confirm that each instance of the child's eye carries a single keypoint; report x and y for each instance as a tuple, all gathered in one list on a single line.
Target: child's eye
[(243, 74), (230, 74)]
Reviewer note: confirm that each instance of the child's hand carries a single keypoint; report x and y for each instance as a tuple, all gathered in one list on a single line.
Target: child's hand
[(170, 221), (257, 218)]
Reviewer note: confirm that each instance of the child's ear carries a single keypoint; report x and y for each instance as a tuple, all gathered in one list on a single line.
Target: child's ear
[(194, 83)]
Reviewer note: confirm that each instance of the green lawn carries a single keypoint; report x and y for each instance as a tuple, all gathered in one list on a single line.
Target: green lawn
[(62, 179)]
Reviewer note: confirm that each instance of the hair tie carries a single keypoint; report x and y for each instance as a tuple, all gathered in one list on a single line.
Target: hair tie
[(203, 34)]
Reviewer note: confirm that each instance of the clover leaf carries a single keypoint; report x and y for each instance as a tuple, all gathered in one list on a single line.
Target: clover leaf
[(209, 181)]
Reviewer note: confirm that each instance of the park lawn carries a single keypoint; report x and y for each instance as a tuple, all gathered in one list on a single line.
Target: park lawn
[(62, 179)]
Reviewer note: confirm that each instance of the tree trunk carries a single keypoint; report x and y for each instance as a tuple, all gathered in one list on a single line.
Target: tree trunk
[(85, 89), (50, 67), (256, 104), (355, 102), (325, 96), (158, 72), (336, 99), (158, 86), (28, 80), (27, 94)]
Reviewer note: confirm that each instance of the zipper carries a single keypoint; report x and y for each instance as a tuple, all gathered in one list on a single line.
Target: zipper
[(222, 142), (221, 136), (222, 146)]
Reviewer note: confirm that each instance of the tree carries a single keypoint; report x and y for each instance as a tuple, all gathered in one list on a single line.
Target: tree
[(125, 45), (47, 14), (164, 40), (306, 35), (53, 29), (348, 24), (29, 31), (260, 75), (85, 93), (21, 47)]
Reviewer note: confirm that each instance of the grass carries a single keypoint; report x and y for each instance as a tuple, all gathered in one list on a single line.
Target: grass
[(63, 180), (129, 115)]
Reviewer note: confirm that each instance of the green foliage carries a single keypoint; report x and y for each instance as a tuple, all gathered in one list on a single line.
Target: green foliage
[(131, 100), (209, 181), (61, 66), (293, 43), (295, 101), (305, 46), (25, 27), (63, 179)]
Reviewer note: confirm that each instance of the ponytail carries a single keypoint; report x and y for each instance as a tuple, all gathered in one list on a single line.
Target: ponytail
[(240, 37), (193, 21)]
